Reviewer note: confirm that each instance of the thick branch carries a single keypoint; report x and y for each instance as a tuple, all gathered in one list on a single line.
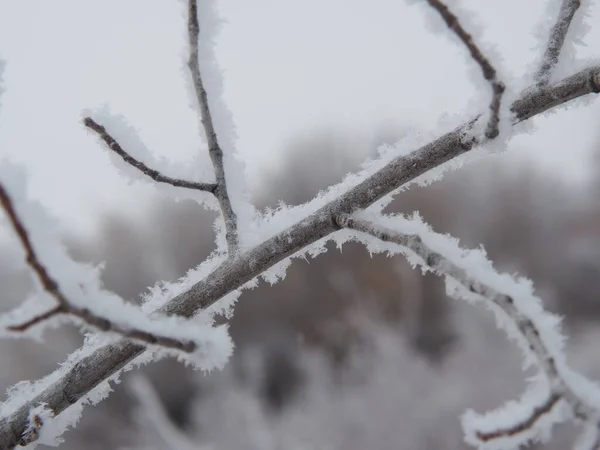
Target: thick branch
[(112, 144), (489, 72), (556, 40), (214, 149), (90, 371), (64, 306), (445, 267)]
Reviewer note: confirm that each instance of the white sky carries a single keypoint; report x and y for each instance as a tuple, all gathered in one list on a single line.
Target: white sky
[(290, 66)]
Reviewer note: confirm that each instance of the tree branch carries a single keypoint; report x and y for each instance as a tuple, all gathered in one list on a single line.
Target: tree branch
[(556, 40), (536, 414), (214, 149), (489, 72), (526, 326), (64, 306), (112, 144), (58, 309), (90, 371)]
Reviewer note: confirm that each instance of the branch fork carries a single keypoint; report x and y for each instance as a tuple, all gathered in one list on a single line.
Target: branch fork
[(489, 72), (442, 266), (63, 305), (219, 188)]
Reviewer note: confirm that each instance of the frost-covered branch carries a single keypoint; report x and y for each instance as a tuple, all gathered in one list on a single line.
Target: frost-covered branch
[(112, 144), (90, 368), (214, 149), (489, 72), (546, 356), (556, 39), (64, 306), (73, 381)]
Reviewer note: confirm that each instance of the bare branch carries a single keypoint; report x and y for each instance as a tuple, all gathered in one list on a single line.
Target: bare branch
[(445, 267), (489, 72), (64, 306), (90, 371), (556, 40), (112, 144), (214, 149), (58, 309)]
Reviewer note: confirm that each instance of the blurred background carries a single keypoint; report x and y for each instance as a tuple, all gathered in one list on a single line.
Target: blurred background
[(349, 351)]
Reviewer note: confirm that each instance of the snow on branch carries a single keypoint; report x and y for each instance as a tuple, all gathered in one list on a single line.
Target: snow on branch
[(189, 341), (556, 39), (219, 189), (132, 157), (297, 238), (522, 317), (489, 72), (214, 149), (157, 176), (518, 311)]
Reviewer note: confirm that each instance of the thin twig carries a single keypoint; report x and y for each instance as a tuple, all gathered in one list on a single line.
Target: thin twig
[(58, 309), (214, 149), (489, 72), (556, 40), (536, 414), (445, 267), (112, 144), (30, 256), (64, 306)]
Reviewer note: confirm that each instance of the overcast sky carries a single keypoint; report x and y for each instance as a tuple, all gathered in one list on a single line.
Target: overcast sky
[(290, 67)]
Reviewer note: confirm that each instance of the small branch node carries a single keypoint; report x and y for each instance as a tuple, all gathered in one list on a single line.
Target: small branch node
[(489, 72)]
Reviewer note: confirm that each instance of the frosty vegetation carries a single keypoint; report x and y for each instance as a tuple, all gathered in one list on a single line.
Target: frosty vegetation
[(180, 319)]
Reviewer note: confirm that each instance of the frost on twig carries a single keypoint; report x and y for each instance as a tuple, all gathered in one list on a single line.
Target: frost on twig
[(539, 341), (306, 233), (556, 39), (298, 235), (149, 334), (214, 149), (489, 72), (112, 144), (63, 305)]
